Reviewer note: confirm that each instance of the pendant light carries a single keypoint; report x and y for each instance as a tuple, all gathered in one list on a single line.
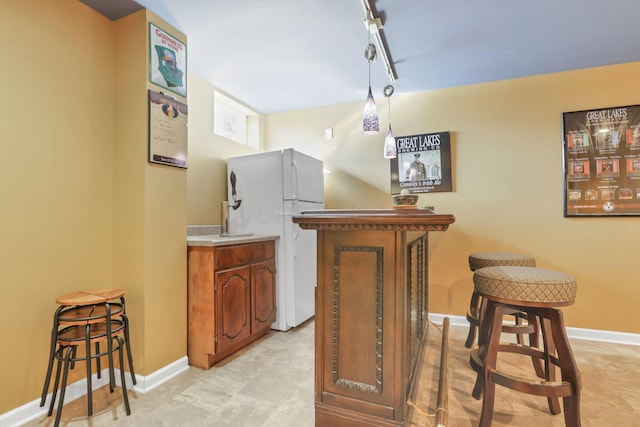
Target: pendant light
[(390, 151), (370, 123)]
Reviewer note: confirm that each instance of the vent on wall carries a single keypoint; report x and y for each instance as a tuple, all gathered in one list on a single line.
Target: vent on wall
[(113, 9)]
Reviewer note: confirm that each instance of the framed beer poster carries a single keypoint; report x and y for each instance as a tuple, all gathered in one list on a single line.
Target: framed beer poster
[(423, 164), (601, 159), (167, 61)]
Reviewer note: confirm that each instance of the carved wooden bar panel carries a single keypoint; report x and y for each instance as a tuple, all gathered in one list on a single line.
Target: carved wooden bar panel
[(371, 309)]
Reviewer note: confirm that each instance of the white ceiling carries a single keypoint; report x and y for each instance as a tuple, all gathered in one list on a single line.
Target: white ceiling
[(284, 55)]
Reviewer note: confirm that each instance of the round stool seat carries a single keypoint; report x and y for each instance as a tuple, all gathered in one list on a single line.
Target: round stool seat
[(479, 260), (530, 286), (80, 298), (489, 259), (109, 293)]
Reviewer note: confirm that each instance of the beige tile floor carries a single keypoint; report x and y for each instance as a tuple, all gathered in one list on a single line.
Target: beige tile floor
[(270, 383)]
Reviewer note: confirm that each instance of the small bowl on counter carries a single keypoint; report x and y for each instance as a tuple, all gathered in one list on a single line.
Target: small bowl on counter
[(405, 201)]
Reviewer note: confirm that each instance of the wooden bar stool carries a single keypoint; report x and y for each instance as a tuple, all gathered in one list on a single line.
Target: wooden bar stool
[(538, 292), (86, 319), (490, 259)]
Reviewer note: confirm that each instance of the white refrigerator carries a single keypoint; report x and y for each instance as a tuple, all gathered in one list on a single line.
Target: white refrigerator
[(272, 187)]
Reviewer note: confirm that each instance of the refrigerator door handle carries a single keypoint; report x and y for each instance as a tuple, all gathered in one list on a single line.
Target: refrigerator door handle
[(295, 179), (296, 233)]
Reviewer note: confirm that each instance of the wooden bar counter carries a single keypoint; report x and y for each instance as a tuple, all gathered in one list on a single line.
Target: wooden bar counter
[(371, 311)]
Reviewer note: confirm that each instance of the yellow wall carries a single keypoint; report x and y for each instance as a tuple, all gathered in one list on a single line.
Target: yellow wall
[(149, 214), (81, 207), (56, 181), (508, 182), (208, 153)]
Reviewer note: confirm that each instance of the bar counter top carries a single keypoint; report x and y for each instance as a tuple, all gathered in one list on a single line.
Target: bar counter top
[(374, 219)]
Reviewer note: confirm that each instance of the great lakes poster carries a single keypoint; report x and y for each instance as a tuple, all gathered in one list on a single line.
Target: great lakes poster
[(423, 163), (602, 161)]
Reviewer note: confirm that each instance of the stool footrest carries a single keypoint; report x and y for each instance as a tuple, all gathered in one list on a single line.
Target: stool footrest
[(506, 347), (528, 351), (535, 387), (473, 318), (519, 329)]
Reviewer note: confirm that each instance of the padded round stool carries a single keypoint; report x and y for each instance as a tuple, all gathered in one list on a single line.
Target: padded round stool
[(538, 292), (82, 319), (490, 259)]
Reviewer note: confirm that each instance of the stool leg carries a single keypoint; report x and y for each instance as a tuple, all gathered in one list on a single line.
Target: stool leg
[(490, 361), (568, 369), (52, 356), (112, 377), (534, 341), (128, 345), (486, 316), (517, 317), (63, 386), (472, 317), (98, 366), (123, 381), (56, 380), (47, 378), (88, 359), (549, 367)]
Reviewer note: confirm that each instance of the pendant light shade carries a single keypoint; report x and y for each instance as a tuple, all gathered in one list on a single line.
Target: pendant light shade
[(370, 122), (390, 150)]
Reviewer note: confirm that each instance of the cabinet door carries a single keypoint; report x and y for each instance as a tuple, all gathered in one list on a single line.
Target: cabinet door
[(263, 295), (232, 306)]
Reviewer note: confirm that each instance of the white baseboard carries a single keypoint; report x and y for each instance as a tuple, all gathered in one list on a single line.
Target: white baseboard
[(575, 333), (160, 376), (32, 410)]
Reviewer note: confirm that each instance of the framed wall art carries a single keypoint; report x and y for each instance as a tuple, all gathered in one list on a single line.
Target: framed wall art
[(601, 157), (167, 61), (423, 163), (167, 130)]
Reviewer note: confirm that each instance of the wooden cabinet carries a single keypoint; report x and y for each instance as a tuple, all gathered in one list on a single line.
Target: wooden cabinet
[(231, 298)]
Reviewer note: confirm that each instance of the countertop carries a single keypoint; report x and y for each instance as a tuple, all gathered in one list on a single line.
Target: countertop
[(374, 219), (225, 240)]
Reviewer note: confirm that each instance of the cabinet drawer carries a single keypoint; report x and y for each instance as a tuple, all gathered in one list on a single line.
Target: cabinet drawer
[(243, 254)]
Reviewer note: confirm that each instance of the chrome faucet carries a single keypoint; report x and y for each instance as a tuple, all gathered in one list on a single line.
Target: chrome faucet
[(225, 217)]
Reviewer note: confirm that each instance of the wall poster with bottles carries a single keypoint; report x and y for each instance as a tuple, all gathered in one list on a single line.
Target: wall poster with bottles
[(602, 162)]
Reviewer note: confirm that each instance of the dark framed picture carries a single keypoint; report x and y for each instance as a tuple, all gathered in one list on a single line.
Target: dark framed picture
[(423, 164), (601, 158)]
